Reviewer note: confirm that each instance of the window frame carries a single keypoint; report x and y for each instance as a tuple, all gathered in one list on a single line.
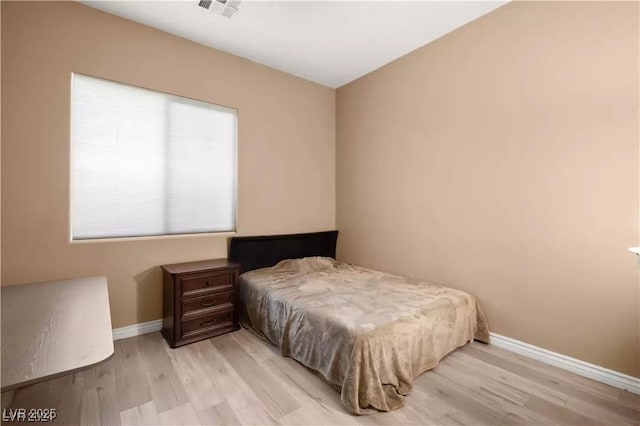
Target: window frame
[(71, 240)]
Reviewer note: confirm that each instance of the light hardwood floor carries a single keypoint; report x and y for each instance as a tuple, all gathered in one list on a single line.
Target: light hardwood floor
[(239, 379)]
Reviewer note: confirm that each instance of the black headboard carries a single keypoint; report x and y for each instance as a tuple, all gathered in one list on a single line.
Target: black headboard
[(261, 252)]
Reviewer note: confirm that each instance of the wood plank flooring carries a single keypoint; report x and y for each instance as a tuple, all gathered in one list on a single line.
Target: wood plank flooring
[(239, 379)]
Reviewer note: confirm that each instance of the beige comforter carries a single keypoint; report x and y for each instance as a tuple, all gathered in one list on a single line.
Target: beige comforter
[(367, 332)]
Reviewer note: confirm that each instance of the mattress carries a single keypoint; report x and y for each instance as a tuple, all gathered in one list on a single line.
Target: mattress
[(367, 332)]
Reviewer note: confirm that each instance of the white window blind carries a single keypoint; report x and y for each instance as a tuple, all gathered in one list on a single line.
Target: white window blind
[(148, 163)]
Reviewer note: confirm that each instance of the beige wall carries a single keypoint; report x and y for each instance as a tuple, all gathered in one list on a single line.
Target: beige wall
[(502, 159), (286, 145)]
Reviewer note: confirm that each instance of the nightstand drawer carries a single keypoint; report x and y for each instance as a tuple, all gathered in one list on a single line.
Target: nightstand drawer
[(207, 323), (198, 284), (207, 302)]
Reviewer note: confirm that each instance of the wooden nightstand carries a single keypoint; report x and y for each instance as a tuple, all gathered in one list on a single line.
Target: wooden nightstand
[(199, 300)]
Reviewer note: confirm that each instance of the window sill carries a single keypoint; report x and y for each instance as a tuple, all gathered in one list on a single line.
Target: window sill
[(154, 237)]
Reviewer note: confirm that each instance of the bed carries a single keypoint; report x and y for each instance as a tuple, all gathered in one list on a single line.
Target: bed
[(366, 332)]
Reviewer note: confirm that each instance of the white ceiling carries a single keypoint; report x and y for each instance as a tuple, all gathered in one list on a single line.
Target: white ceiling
[(329, 42)]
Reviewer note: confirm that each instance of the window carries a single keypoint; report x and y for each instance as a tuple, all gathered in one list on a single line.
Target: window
[(148, 163)]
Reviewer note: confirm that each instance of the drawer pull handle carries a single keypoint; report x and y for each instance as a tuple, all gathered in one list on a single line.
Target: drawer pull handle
[(208, 282), (205, 304), (205, 323)]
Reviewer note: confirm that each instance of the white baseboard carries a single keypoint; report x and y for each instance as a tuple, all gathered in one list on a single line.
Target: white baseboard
[(581, 368), (137, 329)]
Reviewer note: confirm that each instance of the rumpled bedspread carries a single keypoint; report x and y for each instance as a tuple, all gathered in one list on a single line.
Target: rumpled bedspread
[(368, 333)]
